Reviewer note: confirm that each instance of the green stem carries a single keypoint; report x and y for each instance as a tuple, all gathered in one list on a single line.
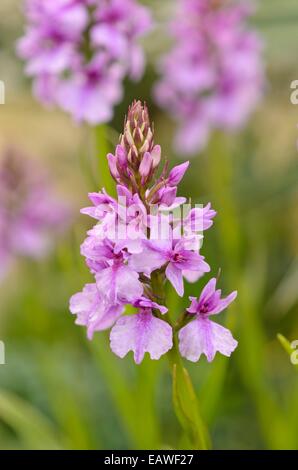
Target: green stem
[(185, 403), (184, 397)]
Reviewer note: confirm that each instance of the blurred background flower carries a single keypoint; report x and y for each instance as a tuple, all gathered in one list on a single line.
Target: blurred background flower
[(248, 401), (78, 53), (212, 78), (30, 215)]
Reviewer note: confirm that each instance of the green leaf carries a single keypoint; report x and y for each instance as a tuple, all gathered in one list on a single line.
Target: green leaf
[(66, 404), (34, 429), (187, 409)]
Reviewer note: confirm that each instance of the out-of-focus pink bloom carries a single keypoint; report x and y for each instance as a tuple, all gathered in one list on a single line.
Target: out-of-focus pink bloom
[(91, 92), (30, 214), (79, 51), (201, 335), (213, 76)]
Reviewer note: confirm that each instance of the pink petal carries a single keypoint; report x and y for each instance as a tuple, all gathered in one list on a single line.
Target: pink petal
[(129, 288), (194, 306), (208, 290), (175, 277), (141, 333), (192, 261), (112, 160), (177, 173), (92, 311), (223, 303), (145, 166), (144, 303), (202, 336), (120, 284), (178, 201), (104, 318), (192, 276), (147, 261), (168, 195), (156, 155)]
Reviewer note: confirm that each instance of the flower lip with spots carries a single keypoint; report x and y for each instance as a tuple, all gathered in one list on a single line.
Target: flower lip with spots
[(201, 335)]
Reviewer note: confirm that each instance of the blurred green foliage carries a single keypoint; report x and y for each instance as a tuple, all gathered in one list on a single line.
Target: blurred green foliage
[(57, 390)]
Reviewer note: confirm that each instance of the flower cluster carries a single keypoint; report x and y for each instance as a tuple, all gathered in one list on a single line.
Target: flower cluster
[(30, 215), (79, 51), (138, 244), (213, 77)]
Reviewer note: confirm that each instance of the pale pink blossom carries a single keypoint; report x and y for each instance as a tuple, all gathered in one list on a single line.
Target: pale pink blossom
[(201, 335)]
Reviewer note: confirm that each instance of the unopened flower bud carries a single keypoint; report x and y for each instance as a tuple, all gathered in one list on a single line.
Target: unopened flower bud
[(145, 167), (138, 134), (121, 155), (136, 156), (156, 156), (177, 173), (112, 161)]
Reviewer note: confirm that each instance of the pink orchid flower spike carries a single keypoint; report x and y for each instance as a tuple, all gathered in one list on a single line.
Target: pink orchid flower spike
[(201, 335)]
